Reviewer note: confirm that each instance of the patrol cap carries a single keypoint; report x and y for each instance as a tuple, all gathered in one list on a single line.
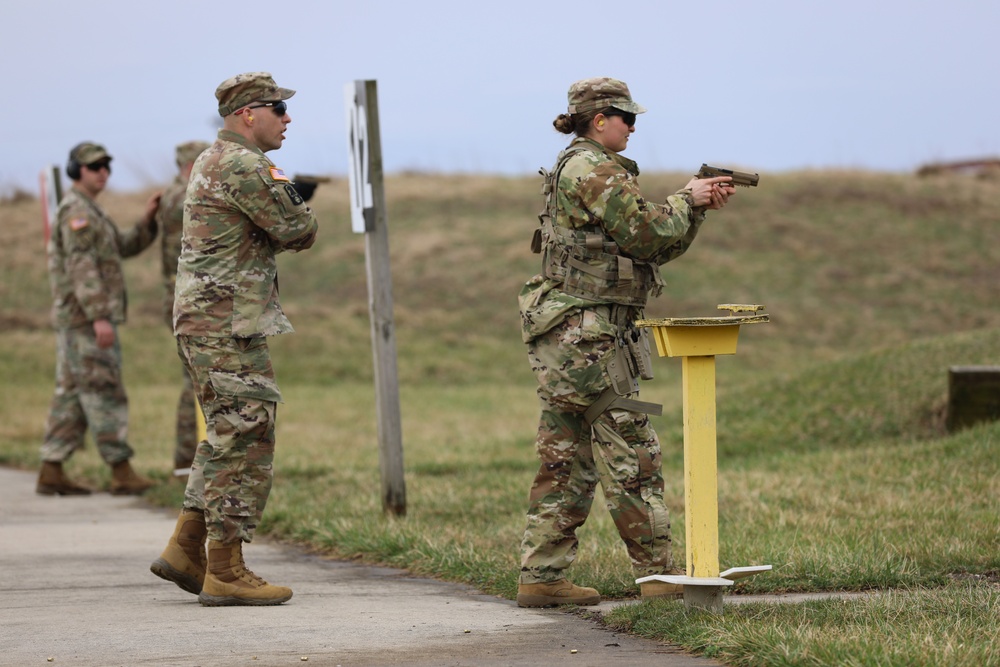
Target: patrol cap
[(189, 150), (601, 92), (242, 89), (88, 152)]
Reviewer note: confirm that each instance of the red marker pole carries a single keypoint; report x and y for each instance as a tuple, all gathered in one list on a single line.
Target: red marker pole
[(50, 187)]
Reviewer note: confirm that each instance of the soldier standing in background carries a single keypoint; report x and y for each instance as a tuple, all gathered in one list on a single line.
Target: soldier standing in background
[(89, 302), (602, 246), (170, 217), (239, 212)]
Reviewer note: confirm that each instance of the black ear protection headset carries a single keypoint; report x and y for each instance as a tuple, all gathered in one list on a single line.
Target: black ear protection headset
[(72, 165)]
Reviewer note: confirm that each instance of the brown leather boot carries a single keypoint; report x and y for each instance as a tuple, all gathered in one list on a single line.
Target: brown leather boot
[(552, 593), (228, 582), (53, 481), (183, 561), (127, 482), (663, 589)]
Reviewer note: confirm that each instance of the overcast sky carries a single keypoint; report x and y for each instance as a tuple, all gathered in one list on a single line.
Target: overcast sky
[(469, 86)]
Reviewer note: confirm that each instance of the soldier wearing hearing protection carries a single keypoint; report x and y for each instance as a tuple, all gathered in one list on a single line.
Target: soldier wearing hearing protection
[(240, 210), (89, 303)]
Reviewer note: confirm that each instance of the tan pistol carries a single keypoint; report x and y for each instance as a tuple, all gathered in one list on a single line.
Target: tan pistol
[(740, 178)]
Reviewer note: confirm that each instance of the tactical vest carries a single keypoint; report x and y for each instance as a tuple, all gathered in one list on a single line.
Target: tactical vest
[(588, 264), (586, 261)]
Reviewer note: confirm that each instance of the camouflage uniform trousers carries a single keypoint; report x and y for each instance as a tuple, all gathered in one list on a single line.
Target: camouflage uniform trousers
[(89, 392), (187, 426), (621, 451), (232, 472)]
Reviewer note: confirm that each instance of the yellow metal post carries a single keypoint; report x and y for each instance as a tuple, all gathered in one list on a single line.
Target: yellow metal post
[(701, 489), (200, 419)]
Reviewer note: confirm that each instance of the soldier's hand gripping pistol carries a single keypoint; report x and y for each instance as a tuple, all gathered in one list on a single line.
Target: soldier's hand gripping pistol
[(740, 178)]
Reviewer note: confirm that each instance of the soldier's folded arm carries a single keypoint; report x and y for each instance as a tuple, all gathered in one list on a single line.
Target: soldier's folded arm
[(293, 234), (284, 216)]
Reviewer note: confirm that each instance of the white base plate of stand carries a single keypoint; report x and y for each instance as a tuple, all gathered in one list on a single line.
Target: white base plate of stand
[(735, 573), (725, 579), (685, 580)]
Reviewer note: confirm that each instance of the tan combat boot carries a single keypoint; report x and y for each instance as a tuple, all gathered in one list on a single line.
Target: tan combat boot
[(663, 589), (183, 561), (552, 593), (228, 582), (53, 481), (127, 482)]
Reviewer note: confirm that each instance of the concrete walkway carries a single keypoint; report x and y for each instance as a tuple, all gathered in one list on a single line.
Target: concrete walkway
[(76, 590)]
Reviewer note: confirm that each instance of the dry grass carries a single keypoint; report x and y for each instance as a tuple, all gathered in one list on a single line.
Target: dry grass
[(843, 261)]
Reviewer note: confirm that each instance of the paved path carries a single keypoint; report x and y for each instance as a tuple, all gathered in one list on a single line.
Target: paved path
[(76, 591)]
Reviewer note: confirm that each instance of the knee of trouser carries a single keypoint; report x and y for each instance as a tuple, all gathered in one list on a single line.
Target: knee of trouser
[(649, 465), (551, 476), (241, 403), (633, 446), (101, 376)]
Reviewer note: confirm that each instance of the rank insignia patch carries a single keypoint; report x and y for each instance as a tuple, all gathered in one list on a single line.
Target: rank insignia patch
[(293, 194)]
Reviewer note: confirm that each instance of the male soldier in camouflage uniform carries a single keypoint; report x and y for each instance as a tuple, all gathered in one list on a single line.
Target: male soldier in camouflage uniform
[(170, 217), (88, 292), (240, 210), (603, 244)]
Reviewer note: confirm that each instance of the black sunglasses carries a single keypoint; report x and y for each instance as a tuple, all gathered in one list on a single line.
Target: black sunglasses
[(279, 108), (627, 118), (100, 164)]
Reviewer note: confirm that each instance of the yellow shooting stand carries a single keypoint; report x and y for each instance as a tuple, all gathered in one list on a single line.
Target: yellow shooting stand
[(697, 340)]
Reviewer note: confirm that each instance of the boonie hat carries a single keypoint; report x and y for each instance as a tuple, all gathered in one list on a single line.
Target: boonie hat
[(189, 150), (88, 152), (601, 92), (238, 91)]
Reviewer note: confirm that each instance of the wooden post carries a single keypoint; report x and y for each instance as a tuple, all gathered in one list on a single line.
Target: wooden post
[(368, 216), (973, 395)]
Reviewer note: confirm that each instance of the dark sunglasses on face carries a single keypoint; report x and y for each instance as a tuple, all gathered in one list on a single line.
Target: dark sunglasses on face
[(97, 166), (279, 108), (627, 118)]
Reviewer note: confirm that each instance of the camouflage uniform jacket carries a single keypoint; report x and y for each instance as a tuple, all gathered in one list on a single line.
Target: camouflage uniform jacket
[(85, 268), (239, 212), (598, 191), (170, 217)]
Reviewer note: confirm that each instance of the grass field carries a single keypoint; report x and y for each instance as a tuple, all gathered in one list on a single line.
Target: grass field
[(835, 466)]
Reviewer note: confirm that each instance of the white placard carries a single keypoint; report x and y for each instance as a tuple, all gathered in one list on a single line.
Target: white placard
[(358, 149)]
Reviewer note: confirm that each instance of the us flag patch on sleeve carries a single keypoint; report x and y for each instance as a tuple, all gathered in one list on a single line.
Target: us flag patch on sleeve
[(76, 224), (278, 174)]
